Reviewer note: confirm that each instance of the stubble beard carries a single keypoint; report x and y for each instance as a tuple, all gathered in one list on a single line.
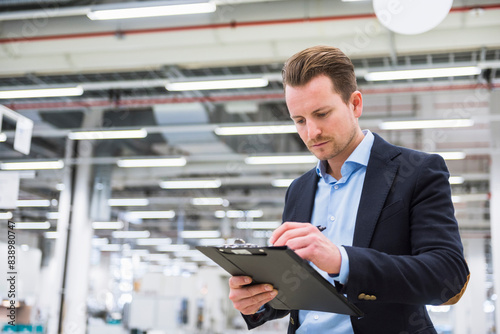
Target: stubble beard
[(333, 147)]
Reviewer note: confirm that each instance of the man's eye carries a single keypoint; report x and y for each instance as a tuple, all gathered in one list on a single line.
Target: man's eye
[(300, 121)]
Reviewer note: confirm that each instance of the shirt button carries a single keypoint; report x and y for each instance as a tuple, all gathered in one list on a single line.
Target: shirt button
[(332, 218), (335, 187), (316, 317)]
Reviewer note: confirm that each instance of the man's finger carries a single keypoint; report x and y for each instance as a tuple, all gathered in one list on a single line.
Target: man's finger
[(236, 282), (301, 230), (249, 292), (286, 226), (253, 304)]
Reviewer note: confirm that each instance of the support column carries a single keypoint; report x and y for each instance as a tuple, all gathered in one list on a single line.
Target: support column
[(57, 263), (469, 316), (74, 315), (495, 197)]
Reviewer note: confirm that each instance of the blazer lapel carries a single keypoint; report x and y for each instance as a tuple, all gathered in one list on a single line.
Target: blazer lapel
[(380, 174)]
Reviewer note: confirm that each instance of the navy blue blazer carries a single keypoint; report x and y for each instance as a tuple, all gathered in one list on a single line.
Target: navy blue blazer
[(406, 251)]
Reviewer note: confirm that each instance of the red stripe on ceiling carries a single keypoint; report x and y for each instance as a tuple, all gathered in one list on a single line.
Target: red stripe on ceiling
[(232, 24)]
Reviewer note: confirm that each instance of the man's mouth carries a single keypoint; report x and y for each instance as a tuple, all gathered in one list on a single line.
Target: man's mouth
[(319, 144)]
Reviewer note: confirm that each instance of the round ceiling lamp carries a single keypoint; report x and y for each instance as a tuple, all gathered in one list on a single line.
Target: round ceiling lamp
[(411, 17)]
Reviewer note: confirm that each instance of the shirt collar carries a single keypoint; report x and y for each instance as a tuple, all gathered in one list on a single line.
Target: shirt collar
[(360, 155)]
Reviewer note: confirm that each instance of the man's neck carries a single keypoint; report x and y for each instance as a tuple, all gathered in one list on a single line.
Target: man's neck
[(334, 172)]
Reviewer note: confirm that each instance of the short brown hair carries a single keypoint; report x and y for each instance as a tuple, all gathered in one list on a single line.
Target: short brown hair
[(321, 60)]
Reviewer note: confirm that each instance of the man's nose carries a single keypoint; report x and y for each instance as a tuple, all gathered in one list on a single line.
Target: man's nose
[(313, 130)]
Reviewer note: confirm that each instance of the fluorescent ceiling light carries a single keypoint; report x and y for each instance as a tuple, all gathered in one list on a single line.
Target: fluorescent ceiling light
[(263, 225), (190, 184), (5, 215), (217, 84), (235, 214), (33, 203), (172, 248), (469, 198), (52, 215), (200, 234), (150, 214), (456, 155), (187, 253), (209, 201), (284, 159), (168, 162), (426, 124), (140, 12), (220, 214), (146, 255), (154, 241), (3, 137), (51, 235), (254, 213), (108, 134), (423, 73), (128, 202), (31, 225), (99, 241), (111, 248), (43, 92), (283, 183), (212, 242), (130, 234), (132, 252), (28, 165), (156, 257), (262, 234), (254, 130), (107, 225), (456, 179), (439, 308), (239, 213)]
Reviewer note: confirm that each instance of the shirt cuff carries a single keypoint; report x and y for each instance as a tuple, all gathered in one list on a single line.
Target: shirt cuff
[(343, 275)]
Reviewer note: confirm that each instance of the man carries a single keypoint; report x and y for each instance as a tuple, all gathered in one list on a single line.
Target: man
[(391, 243)]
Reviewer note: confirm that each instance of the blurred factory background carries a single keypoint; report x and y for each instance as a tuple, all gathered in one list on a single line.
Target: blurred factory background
[(114, 176)]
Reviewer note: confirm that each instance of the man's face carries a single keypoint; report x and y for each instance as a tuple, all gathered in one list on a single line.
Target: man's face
[(327, 125)]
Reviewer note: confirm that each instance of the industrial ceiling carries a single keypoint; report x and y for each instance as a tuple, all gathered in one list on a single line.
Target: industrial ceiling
[(124, 65)]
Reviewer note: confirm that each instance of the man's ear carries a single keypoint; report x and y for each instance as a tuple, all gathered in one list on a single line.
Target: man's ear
[(356, 102)]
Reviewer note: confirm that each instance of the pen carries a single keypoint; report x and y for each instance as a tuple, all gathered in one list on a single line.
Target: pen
[(321, 228)]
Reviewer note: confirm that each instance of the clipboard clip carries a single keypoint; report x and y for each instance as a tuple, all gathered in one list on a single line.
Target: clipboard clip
[(240, 243)]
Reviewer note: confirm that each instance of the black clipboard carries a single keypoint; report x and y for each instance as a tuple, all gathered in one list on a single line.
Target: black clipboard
[(300, 286)]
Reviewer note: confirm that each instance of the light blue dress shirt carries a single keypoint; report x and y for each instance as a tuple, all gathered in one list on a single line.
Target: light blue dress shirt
[(336, 206)]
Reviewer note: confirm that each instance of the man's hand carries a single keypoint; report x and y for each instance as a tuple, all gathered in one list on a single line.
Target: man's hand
[(310, 244), (249, 299)]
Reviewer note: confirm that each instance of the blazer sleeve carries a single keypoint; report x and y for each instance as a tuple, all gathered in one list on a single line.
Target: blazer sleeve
[(433, 270), (265, 314)]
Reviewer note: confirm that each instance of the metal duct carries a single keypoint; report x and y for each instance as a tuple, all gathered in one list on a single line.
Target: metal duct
[(194, 142)]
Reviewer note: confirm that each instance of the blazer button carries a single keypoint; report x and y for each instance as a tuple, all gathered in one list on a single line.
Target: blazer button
[(369, 297), (361, 296)]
